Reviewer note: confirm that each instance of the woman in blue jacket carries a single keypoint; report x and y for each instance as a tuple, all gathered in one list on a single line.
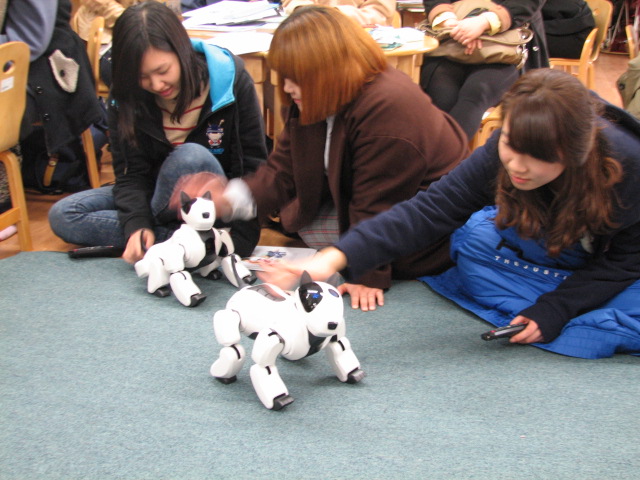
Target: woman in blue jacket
[(559, 252), (177, 107)]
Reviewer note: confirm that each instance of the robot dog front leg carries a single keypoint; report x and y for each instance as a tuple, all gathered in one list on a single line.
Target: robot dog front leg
[(236, 272), (226, 325), (185, 289), (265, 378), (344, 361)]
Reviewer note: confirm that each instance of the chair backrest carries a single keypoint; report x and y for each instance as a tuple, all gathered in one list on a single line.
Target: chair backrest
[(396, 21), (94, 42), (632, 42), (602, 12), (586, 55), (14, 69)]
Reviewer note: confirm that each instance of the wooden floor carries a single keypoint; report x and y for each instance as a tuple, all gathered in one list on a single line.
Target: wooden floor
[(608, 68)]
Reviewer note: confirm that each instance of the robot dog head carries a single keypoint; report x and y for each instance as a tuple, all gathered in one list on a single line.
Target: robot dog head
[(199, 213), (322, 305)]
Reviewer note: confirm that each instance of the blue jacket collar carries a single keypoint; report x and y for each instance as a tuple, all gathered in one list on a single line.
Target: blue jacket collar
[(222, 73)]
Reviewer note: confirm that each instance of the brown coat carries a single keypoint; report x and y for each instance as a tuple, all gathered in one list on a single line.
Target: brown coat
[(387, 144)]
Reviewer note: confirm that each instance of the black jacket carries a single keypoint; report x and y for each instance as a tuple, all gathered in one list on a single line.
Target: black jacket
[(64, 115), (243, 146)]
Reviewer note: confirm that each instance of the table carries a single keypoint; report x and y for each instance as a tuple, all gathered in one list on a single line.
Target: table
[(411, 12), (407, 58)]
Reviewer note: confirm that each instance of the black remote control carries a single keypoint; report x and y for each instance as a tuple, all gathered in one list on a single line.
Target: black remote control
[(503, 332), (95, 252)]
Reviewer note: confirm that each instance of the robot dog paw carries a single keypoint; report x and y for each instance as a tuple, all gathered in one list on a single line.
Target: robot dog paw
[(215, 275), (197, 299), (226, 381), (281, 401), (162, 292), (355, 376)]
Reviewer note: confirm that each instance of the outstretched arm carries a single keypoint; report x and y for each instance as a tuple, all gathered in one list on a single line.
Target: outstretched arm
[(320, 267)]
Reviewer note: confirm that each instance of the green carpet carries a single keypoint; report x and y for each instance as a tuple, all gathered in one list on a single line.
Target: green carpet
[(100, 380)]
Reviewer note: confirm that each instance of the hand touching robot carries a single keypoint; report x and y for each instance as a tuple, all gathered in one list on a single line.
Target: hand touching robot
[(195, 247), (293, 326)]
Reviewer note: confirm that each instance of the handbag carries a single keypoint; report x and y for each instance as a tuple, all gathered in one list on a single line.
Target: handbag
[(508, 47)]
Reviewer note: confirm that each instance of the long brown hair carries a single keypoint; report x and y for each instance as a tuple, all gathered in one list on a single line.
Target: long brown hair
[(553, 117), (328, 55), (140, 27)]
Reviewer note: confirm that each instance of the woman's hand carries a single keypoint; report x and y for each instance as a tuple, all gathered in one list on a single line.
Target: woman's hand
[(450, 22), (472, 45), (134, 250), (531, 333), (469, 29), (195, 185), (320, 267), (362, 296)]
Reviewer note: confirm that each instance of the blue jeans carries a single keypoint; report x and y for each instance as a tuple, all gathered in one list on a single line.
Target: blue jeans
[(90, 217)]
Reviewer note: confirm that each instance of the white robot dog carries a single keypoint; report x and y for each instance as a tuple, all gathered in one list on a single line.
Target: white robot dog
[(196, 246), (291, 325)]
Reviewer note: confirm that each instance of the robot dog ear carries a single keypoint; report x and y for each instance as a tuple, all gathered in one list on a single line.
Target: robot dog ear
[(207, 195), (186, 201), (305, 278)]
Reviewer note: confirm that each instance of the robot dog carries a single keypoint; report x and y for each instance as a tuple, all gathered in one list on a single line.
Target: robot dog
[(195, 247), (291, 325)]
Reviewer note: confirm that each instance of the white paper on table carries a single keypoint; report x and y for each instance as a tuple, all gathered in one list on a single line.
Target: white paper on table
[(228, 12), (243, 42)]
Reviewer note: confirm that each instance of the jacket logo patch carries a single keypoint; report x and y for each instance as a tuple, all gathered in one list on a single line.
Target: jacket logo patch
[(214, 137)]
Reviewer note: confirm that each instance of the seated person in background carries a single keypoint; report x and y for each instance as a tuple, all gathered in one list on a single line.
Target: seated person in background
[(110, 10), (467, 91), (567, 24), (60, 92), (359, 137), (186, 5), (365, 12), (563, 175), (177, 106)]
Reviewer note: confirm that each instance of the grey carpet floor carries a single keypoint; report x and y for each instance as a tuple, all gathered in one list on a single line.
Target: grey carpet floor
[(100, 380)]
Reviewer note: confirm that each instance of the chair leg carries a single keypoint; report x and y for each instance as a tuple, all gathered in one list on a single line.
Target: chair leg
[(17, 214), (591, 76), (90, 154)]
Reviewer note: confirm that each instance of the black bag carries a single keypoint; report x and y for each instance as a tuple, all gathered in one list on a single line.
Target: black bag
[(66, 172)]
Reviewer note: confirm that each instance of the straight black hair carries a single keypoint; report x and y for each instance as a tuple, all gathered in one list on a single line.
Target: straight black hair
[(140, 27)]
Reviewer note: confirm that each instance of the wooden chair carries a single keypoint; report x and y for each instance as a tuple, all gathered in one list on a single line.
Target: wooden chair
[(396, 21), (632, 41), (94, 43), (14, 69), (584, 67), (93, 52), (492, 120)]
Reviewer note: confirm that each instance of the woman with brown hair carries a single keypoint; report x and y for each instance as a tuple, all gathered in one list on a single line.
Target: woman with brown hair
[(552, 233), (359, 137)]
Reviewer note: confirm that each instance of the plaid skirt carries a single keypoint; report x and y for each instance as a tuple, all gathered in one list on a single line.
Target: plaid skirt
[(323, 231)]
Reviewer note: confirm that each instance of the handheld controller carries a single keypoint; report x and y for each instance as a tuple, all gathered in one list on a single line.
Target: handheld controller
[(503, 332)]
